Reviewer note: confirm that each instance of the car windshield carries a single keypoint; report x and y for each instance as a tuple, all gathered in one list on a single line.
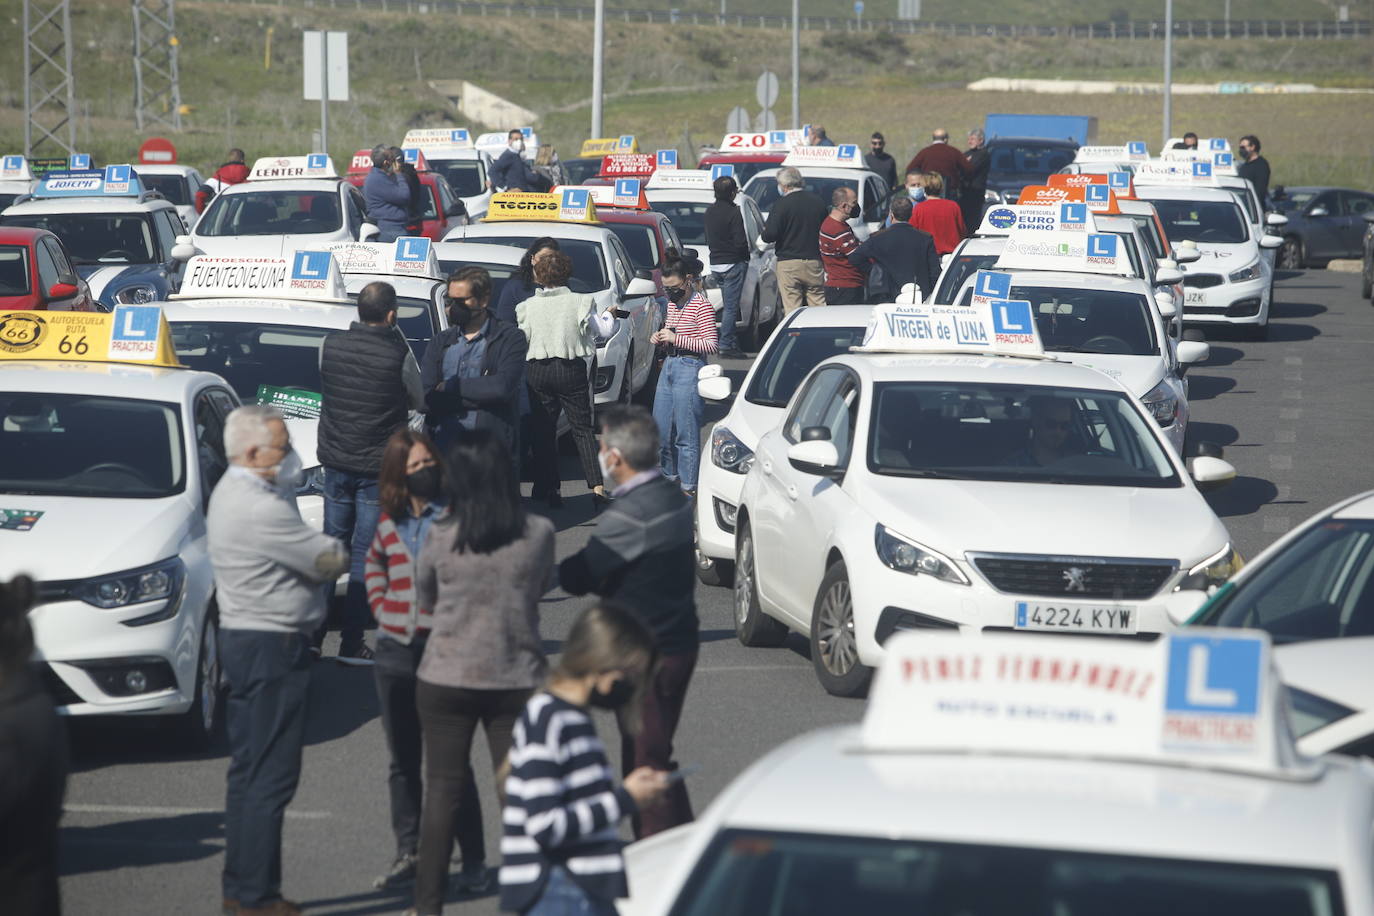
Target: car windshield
[(6, 200), (96, 238), (640, 242), (577, 171), (1321, 586), (743, 170), (499, 273), (764, 189), (1087, 320), (81, 445), (14, 270), (1203, 220), (1247, 203), (415, 318), (272, 212), (960, 268), (744, 872), (1027, 159), (589, 265), (791, 356), (249, 356), (172, 187), (970, 431), (467, 177), (1294, 199)]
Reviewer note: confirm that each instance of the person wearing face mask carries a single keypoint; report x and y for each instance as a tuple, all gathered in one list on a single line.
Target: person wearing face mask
[(642, 555), (688, 336), (561, 850), (1254, 168), (511, 171), (934, 214), (844, 283), (271, 573), (368, 379), (482, 571), (386, 195), (413, 499)]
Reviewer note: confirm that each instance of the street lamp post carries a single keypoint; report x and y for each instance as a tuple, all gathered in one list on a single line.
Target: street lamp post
[(796, 63), (598, 63), (1168, 70)]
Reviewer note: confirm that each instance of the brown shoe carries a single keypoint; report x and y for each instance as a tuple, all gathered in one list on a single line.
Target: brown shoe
[(277, 907)]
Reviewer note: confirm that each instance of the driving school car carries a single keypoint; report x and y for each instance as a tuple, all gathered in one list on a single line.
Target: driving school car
[(823, 170), (102, 430), (912, 482), (15, 179)]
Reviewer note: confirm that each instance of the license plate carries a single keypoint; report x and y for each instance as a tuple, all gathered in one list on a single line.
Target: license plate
[(1196, 298), (1085, 618)]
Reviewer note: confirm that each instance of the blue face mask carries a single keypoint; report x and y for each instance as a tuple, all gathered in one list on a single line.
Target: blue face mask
[(916, 193)]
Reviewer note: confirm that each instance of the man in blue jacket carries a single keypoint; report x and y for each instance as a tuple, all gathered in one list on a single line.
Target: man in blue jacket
[(386, 195), (511, 171)]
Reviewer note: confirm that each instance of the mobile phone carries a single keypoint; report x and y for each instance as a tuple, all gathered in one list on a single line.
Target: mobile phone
[(682, 773)]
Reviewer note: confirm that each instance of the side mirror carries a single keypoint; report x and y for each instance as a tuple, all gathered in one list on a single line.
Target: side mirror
[(639, 286), (62, 291), (1317, 212), (815, 456), (456, 209), (712, 383), (368, 232), (1270, 241), (183, 251), (1208, 473), (1193, 351), (1164, 302), (1275, 219), (1186, 253), (1168, 276)]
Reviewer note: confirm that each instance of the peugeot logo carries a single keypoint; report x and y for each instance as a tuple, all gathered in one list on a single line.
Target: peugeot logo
[(1073, 579)]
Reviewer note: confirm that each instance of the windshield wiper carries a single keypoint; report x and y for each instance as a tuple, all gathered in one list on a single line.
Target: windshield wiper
[(925, 474)]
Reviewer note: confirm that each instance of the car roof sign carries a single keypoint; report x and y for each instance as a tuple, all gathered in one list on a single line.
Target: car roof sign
[(843, 156), (665, 159), (1003, 219), (605, 146), (1183, 171), (1194, 698), (1097, 195), (569, 205), (430, 137), (111, 181), (770, 141), (628, 165), (310, 276), (135, 334), (284, 168), (625, 194), (1136, 150), (696, 179), (998, 327), (408, 256), (1102, 154), (1075, 252), (14, 168)]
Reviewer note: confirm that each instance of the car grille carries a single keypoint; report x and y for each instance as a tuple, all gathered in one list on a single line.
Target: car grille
[(1202, 281), (62, 695), (1075, 577)]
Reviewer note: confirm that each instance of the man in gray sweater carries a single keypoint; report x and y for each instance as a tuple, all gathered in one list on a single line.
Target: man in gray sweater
[(271, 570)]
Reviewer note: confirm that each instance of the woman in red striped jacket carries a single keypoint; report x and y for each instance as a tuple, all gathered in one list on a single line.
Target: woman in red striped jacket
[(411, 491), (687, 338)]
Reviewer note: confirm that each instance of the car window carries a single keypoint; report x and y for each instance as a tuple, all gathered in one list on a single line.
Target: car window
[(446, 198), (1320, 587), (620, 262), (47, 268), (791, 355), (1356, 204), (66, 273), (1326, 200), (171, 187), (753, 224), (166, 233), (689, 219), (814, 406), (96, 238), (1150, 232), (272, 212), (640, 243), (249, 355), (357, 212), (467, 177), (14, 270), (1074, 320), (499, 273), (1218, 221), (1027, 159), (209, 446), (415, 318)]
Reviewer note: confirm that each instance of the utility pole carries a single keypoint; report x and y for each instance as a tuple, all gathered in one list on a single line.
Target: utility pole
[(796, 63), (1168, 71), (598, 64), (157, 92), (49, 97)]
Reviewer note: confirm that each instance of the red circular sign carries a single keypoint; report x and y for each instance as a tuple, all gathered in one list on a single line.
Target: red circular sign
[(157, 151)]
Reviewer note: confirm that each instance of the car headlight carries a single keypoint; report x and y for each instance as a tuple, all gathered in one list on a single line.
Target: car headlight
[(1212, 572), (312, 484), (730, 454), (138, 294), (1162, 403), (992, 197), (904, 556), (134, 586), (1245, 273)]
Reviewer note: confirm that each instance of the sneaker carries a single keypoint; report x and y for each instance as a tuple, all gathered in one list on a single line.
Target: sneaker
[(400, 874), (361, 654), (474, 881)]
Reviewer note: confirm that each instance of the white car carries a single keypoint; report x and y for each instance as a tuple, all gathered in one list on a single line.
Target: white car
[(176, 183), (823, 170), (500, 261), (683, 195), (410, 266), (15, 179), (1232, 284), (925, 483), (287, 204), (1004, 775), (106, 470), (1331, 695), (804, 339), (601, 266)]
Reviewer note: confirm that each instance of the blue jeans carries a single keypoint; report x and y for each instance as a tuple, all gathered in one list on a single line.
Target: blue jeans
[(390, 232), (731, 288), (268, 675), (562, 896), (351, 509), (677, 411)]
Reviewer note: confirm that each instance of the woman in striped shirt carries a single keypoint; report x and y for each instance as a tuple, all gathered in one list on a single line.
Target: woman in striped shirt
[(687, 338), (560, 845)]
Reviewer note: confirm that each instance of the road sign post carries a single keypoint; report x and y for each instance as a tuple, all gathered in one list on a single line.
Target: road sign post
[(326, 74)]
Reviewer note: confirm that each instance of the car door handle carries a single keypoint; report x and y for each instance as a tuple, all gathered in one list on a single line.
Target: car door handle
[(767, 466), (792, 492)]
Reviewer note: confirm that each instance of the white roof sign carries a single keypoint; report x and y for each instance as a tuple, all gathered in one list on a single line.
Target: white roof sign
[(699, 179), (999, 328), (316, 165), (1102, 154), (770, 141), (1070, 216), (429, 137), (311, 276), (1199, 697), (408, 256), (1183, 171), (843, 156), (1078, 252), (14, 168)]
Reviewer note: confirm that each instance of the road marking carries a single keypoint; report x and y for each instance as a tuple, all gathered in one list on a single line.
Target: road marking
[(1281, 462), (1290, 413), (1293, 376), (172, 812)]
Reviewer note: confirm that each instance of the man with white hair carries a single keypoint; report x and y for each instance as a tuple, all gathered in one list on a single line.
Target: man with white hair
[(271, 569), (794, 227)]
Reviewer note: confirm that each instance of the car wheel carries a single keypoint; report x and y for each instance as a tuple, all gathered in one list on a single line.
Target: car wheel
[(196, 727), (1291, 255), (752, 625), (834, 648), (1367, 279)]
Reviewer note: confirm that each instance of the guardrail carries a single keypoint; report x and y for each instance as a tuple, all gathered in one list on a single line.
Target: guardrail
[(1131, 30)]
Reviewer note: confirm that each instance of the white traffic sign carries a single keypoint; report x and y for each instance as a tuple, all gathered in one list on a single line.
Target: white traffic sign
[(738, 121), (335, 61), (766, 89)]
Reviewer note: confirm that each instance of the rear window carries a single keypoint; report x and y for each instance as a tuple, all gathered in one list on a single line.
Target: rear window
[(269, 212), (172, 187), (764, 190), (467, 177), (589, 264), (640, 242), (14, 270), (1028, 158), (960, 269)]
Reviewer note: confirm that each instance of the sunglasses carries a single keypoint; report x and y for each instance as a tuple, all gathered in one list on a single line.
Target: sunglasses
[(458, 301)]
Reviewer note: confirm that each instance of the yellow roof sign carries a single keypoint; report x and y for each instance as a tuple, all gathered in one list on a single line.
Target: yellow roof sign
[(135, 334), (568, 205), (605, 146)]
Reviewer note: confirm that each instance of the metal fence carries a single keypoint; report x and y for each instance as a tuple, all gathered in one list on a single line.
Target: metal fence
[(1131, 30)]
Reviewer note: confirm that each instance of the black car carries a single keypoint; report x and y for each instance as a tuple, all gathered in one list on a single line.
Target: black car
[(1015, 162), (1367, 273), (1323, 224)]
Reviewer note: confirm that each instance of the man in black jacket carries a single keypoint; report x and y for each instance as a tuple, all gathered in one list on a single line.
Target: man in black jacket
[(641, 555), (973, 194), (1255, 168), (473, 370), (905, 254), (511, 171), (794, 226), (879, 161), (368, 379), (729, 259)]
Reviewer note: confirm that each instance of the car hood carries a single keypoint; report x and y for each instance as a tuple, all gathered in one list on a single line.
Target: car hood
[(750, 422), (80, 537), (954, 516), (1219, 256), (1337, 669), (1137, 374)]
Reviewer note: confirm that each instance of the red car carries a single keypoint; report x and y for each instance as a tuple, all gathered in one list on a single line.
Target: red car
[(645, 234), (443, 209), (746, 164), (36, 274)]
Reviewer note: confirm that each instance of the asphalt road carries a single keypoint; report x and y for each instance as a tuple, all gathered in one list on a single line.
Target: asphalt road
[(143, 829)]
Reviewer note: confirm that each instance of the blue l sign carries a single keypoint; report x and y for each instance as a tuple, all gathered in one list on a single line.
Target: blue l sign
[(627, 187), (412, 248), (316, 161), (723, 170), (667, 158), (1074, 214), (135, 323), (13, 163), (117, 174), (79, 162), (1202, 170), (1102, 245), (1136, 148), (1012, 317), (1119, 181), (1097, 193), (310, 265), (992, 284), (1213, 675)]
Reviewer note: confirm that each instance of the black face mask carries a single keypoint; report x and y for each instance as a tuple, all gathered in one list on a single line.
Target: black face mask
[(854, 211), (677, 293), (619, 694), (426, 482)]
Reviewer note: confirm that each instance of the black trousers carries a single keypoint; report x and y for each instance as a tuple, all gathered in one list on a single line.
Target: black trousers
[(652, 744), (844, 295), (560, 384), (395, 669)]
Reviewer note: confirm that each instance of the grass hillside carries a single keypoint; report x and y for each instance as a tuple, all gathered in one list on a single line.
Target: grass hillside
[(673, 86)]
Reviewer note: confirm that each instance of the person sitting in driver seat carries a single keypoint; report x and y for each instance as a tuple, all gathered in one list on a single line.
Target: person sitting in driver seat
[(29, 415), (1051, 433)]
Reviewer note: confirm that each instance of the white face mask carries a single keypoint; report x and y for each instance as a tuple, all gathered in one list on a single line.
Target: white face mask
[(517, 146)]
